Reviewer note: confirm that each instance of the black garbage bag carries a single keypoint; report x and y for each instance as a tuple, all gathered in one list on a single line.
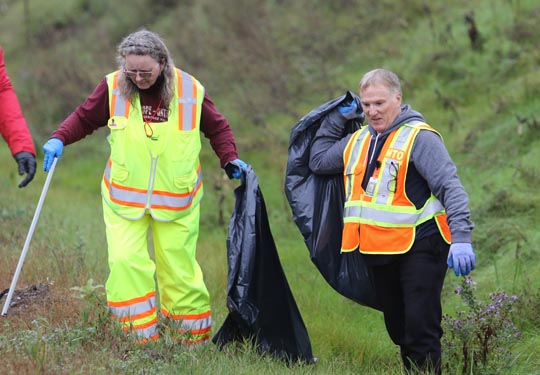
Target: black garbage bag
[(317, 206), (260, 303)]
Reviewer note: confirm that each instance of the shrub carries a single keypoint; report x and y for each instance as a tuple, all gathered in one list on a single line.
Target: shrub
[(479, 339)]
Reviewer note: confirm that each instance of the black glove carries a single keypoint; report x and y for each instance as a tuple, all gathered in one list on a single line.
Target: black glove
[(27, 164)]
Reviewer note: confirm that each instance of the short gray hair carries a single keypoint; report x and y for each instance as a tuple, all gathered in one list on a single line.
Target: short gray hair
[(382, 76)]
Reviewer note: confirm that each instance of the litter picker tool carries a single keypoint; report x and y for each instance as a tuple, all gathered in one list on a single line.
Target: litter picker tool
[(28, 238)]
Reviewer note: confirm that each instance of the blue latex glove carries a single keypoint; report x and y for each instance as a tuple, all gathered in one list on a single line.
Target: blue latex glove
[(346, 108), (461, 258), (350, 110), (53, 148), (234, 168)]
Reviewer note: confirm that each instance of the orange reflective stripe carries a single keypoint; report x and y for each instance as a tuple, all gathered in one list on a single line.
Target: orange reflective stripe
[(194, 106), (122, 107), (113, 96), (187, 101), (132, 301), (180, 103), (203, 315), (195, 331), (195, 324), (195, 342), (141, 326), (134, 317)]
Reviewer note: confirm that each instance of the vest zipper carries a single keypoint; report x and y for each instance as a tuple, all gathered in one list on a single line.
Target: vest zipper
[(151, 180)]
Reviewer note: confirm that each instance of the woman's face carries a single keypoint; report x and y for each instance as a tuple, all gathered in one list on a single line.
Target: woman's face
[(143, 70)]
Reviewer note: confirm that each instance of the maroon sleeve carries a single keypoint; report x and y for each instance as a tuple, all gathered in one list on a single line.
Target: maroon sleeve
[(216, 128), (13, 126), (87, 118)]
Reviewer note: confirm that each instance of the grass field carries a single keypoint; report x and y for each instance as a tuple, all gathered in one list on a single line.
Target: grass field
[(264, 76)]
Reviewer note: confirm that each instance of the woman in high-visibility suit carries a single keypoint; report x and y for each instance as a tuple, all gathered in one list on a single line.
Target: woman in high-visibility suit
[(155, 113)]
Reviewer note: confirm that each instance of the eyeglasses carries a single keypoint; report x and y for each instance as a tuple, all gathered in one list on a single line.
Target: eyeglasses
[(144, 74), (393, 169)]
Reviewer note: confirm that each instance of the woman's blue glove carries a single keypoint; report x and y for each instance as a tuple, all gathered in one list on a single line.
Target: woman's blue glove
[(52, 149), (461, 258), (234, 168)]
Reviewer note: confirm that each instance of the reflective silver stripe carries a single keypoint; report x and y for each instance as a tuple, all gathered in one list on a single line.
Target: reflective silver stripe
[(158, 200), (126, 196), (134, 309), (152, 179), (402, 137), (355, 151), (196, 324), (175, 201), (383, 194), (391, 216), (353, 159), (146, 332), (386, 179), (119, 103), (188, 100)]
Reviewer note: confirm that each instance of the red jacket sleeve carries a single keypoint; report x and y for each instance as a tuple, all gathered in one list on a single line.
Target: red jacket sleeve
[(13, 126)]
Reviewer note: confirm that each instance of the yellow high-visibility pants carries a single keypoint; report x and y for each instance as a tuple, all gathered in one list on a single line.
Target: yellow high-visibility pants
[(131, 287)]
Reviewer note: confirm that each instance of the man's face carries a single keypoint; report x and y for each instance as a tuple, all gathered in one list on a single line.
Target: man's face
[(380, 105)]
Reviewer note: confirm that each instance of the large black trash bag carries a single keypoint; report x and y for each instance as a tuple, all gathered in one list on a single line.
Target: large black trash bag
[(317, 205), (260, 303)]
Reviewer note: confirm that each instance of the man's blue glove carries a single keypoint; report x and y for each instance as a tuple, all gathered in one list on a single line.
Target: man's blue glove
[(52, 149), (347, 107), (461, 258), (350, 110), (234, 168)]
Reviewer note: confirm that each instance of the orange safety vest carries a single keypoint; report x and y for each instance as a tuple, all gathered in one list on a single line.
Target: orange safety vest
[(161, 175), (382, 219)]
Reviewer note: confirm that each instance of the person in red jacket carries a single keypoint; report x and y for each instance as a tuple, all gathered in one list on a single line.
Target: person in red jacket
[(14, 129)]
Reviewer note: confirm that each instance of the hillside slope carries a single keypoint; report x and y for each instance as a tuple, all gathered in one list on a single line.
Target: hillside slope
[(266, 64)]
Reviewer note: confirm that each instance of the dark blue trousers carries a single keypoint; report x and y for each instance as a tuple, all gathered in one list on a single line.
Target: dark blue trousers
[(409, 292)]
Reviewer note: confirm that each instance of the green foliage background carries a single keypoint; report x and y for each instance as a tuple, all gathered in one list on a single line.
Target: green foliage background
[(266, 63)]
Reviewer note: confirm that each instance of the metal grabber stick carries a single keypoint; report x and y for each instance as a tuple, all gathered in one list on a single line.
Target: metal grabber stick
[(29, 238)]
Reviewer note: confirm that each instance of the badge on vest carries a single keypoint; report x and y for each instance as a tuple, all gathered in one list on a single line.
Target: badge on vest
[(370, 189), (117, 122)]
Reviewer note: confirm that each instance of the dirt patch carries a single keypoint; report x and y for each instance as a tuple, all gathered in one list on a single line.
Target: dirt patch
[(40, 300), (23, 298)]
